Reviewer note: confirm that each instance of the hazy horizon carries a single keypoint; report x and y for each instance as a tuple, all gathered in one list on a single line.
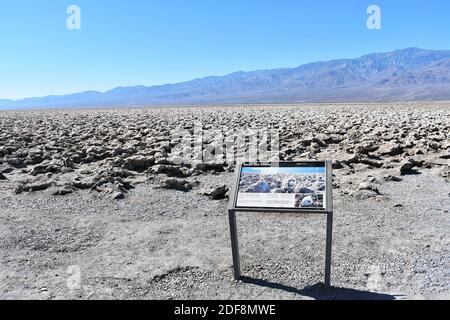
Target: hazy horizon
[(209, 76)]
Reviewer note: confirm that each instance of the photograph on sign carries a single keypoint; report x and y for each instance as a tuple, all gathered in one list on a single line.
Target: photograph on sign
[(297, 186)]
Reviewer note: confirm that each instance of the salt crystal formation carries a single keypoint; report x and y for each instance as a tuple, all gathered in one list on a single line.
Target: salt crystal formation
[(110, 151)]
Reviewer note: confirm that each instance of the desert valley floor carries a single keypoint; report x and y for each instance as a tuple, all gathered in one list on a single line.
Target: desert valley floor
[(94, 205)]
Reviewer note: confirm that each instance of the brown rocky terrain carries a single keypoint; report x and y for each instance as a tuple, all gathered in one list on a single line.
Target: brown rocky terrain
[(104, 190)]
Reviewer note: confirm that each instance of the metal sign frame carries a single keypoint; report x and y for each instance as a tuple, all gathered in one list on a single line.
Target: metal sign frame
[(328, 210)]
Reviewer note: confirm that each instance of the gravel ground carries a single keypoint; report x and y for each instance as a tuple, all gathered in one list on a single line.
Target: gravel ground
[(391, 238), (166, 244)]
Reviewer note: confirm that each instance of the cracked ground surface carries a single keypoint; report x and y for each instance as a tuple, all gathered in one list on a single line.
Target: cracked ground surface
[(391, 236)]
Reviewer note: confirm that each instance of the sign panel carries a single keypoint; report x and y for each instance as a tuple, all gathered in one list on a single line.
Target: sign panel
[(283, 185), (304, 187)]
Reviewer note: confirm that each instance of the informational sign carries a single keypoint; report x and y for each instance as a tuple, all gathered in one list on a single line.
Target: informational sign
[(286, 185)]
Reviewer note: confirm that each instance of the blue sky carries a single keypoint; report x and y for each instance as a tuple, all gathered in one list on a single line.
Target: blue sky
[(149, 42)]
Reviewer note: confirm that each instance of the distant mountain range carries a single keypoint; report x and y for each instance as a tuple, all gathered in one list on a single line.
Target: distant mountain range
[(411, 74)]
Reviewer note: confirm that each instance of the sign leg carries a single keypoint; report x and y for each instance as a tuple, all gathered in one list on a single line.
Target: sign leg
[(234, 244), (329, 241)]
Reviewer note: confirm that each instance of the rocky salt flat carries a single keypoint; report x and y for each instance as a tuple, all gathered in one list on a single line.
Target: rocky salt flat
[(102, 192), (281, 183)]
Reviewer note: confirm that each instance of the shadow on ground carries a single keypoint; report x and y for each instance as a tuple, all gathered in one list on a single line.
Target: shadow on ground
[(317, 291)]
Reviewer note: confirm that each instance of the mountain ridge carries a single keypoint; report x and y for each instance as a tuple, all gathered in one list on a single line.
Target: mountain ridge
[(410, 74)]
